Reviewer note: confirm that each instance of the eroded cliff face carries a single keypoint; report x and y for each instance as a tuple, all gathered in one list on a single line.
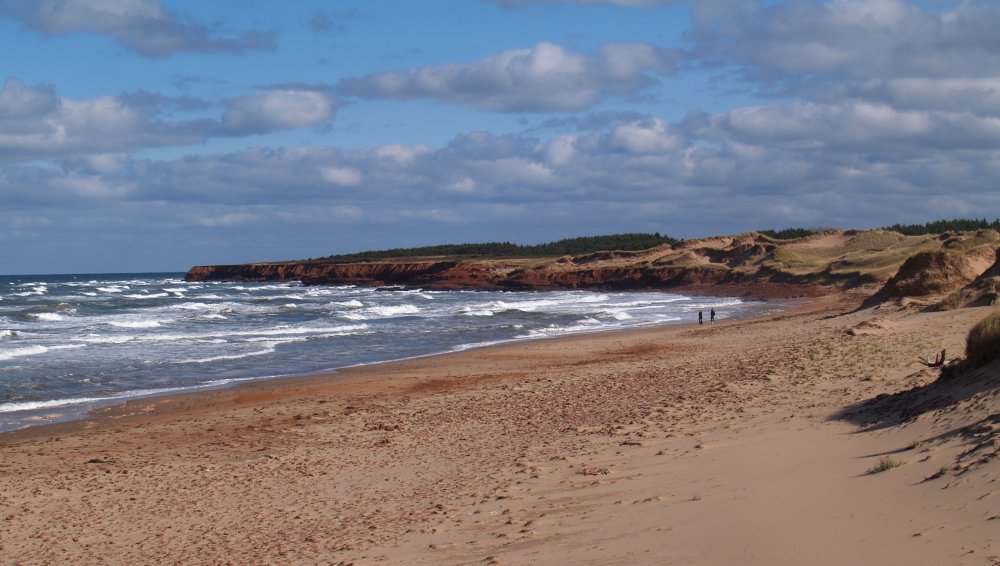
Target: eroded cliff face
[(511, 275), (318, 273), (750, 264)]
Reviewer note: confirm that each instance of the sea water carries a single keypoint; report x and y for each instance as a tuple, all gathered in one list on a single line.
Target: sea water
[(69, 343)]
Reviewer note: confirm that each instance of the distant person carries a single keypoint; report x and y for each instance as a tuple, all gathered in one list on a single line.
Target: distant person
[(712, 315), (701, 317)]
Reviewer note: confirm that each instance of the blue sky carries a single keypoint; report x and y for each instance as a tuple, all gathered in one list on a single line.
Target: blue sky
[(152, 135)]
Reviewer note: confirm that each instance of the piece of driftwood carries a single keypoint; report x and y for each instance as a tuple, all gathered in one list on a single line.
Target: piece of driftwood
[(938, 361)]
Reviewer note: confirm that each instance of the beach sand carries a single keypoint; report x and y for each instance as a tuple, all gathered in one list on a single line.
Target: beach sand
[(739, 442)]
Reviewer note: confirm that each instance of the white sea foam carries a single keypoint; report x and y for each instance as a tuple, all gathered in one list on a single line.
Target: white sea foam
[(147, 296), (268, 349), (20, 352), (352, 304), (17, 406), (136, 323), (32, 293), (618, 315), (394, 310), (99, 339), (113, 288), (193, 306), (7, 334), (264, 332), (34, 351), (45, 316)]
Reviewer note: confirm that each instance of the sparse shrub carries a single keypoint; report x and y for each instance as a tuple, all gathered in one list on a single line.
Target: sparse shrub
[(886, 463), (982, 345)]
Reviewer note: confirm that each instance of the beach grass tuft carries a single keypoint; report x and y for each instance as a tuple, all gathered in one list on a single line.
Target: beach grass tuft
[(886, 463), (982, 345)]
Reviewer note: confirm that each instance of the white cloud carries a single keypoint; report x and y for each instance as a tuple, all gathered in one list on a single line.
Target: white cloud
[(343, 176), (560, 151), (36, 123), (142, 26), (92, 186), (544, 78), (278, 108), (853, 39), (650, 136), (853, 125), (229, 219), (403, 154)]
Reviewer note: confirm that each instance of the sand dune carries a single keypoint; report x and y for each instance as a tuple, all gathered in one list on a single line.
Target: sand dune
[(746, 442)]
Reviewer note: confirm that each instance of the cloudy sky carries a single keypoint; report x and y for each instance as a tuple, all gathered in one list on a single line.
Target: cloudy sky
[(152, 135)]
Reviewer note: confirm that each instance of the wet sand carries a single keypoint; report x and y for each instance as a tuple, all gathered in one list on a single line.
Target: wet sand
[(736, 442)]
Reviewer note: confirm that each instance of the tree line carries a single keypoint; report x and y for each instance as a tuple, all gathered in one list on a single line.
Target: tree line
[(942, 226), (626, 242), (568, 246), (935, 227)]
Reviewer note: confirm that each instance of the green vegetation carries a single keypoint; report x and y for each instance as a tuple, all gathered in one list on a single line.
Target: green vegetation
[(982, 345), (874, 254), (570, 246), (788, 233), (942, 226), (794, 261), (886, 463)]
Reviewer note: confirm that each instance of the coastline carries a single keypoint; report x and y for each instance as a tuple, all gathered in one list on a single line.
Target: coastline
[(92, 414), (73, 409), (683, 443)]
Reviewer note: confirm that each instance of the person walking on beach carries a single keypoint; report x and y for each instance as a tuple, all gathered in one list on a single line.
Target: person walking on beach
[(701, 318), (711, 316)]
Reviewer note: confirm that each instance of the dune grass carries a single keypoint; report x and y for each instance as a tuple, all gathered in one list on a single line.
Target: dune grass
[(875, 253), (982, 345), (886, 463)]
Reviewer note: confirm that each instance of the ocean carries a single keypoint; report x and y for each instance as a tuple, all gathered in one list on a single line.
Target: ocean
[(70, 343)]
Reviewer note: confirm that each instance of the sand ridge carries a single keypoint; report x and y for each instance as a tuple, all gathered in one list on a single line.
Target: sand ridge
[(740, 442)]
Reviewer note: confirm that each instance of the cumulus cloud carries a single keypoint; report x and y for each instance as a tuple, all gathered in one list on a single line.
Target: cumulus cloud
[(343, 176), (35, 122), (769, 158), (278, 108), (858, 126), (852, 39), (544, 78), (142, 26), (737, 170)]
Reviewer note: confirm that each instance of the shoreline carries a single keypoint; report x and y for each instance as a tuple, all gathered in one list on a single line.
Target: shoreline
[(92, 416), (746, 440), (73, 410)]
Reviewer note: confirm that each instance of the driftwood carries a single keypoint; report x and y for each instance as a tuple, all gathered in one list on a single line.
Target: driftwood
[(938, 360)]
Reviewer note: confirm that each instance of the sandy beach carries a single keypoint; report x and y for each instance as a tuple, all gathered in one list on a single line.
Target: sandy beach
[(741, 442)]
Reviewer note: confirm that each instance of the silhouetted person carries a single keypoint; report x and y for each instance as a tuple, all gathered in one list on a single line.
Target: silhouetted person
[(712, 315), (701, 317)]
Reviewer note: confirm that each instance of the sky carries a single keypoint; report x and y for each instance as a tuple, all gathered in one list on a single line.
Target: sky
[(153, 135)]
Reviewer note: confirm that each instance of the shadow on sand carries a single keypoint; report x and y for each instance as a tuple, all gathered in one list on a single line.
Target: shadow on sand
[(952, 387)]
